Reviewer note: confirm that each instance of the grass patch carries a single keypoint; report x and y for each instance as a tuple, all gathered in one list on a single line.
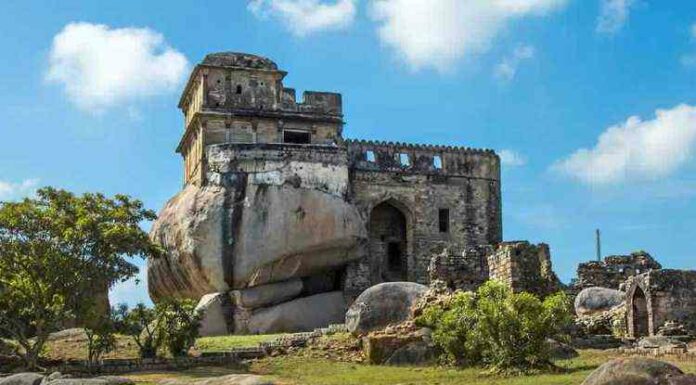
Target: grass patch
[(312, 371), (223, 343)]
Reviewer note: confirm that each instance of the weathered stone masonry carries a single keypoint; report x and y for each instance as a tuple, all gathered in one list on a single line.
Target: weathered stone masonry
[(279, 212)]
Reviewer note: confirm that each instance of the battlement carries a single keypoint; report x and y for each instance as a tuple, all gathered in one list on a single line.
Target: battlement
[(330, 103), (382, 156)]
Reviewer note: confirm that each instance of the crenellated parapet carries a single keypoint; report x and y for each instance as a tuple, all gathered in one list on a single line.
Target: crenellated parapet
[(382, 156)]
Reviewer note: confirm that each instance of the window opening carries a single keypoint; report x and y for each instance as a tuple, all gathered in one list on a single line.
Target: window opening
[(297, 137), (444, 220)]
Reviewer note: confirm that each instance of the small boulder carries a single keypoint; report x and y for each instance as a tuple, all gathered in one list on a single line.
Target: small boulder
[(215, 310), (105, 380), (560, 351), (660, 342), (381, 305), (22, 379), (634, 371), (595, 300), (416, 353)]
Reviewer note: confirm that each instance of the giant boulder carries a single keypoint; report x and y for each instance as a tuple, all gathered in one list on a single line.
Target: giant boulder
[(381, 305), (596, 300), (249, 233)]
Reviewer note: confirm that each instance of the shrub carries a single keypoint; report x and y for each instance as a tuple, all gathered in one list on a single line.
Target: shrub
[(142, 325), (177, 324), (497, 328), (100, 340)]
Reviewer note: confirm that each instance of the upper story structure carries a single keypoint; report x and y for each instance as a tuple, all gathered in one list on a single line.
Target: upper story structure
[(240, 98)]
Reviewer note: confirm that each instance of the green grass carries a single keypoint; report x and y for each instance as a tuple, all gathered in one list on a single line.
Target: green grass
[(223, 343), (299, 370)]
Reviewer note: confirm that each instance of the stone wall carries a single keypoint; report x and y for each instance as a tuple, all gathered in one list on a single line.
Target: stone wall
[(524, 267), (465, 271), (614, 270), (658, 297), (449, 197)]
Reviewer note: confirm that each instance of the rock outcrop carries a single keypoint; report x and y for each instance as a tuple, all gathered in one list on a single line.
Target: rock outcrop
[(596, 300), (382, 305), (302, 314), (216, 315), (637, 371)]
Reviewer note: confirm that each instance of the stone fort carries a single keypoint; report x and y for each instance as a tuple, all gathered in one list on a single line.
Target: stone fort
[(287, 217)]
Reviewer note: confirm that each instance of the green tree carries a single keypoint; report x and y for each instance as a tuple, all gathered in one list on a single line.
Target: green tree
[(142, 324), (56, 251), (100, 339), (178, 321), (498, 328)]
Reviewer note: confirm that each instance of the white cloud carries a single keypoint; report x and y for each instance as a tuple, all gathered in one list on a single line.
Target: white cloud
[(613, 15), (438, 33), (100, 67), (304, 17), (507, 68), (132, 291), (10, 190), (510, 158), (636, 149)]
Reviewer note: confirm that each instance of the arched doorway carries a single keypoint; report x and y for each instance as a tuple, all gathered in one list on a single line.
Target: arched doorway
[(640, 314), (388, 242)]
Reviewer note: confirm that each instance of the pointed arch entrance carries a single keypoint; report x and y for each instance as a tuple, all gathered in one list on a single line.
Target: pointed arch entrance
[(389, 242), (640, 317)]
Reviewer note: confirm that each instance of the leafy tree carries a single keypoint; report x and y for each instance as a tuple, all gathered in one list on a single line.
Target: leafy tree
[(178, 321), (100, 340), (56, 251), (142, 324), (498, 328)]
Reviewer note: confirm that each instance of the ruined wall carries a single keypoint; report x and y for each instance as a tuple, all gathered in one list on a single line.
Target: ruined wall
[(658, 297), (464, 271), (524, 267), (421, 181), (614, 270)]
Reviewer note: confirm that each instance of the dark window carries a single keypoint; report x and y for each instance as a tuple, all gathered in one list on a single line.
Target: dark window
[(444, 220), (239, 89), (298, 137)]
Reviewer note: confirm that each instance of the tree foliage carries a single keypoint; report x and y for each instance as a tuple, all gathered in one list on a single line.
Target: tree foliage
[(179, 321), (142, 324), (497, 328), (56, 251)]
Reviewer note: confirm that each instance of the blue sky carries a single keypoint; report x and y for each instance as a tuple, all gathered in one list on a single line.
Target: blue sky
[(591, 102)]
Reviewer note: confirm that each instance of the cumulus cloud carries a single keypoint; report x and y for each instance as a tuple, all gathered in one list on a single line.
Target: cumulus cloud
[(99, 66), (507, 68), (510, 158), (636, 149), (304, 17), (438, 33), (613, 15), (10, 190)]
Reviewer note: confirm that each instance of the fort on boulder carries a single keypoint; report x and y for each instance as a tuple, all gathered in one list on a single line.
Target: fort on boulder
[(287, 222)]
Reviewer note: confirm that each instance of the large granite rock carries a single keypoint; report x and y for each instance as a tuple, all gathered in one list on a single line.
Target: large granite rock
[(634, 371), (303, 314), (216, 315), (190, 229), (250, 233), (596, 300), (381, 305), (267, 295)]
